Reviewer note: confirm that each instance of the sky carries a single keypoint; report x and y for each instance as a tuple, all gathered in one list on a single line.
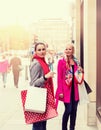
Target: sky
[(27, 11)]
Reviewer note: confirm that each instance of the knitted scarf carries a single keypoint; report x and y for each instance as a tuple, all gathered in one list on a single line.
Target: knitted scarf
[(49, 82)]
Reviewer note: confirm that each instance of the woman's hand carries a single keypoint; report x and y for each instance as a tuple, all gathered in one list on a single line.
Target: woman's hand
[(61, 95), (80, 69), (50, 75)]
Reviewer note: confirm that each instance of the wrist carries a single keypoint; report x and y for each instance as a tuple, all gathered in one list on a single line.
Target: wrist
[(44, 77)]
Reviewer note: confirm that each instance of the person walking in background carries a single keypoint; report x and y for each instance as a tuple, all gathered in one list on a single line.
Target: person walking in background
[(40, 76), (67, 86), (15, 63), (4, 68), (50, 58), (51, 62)]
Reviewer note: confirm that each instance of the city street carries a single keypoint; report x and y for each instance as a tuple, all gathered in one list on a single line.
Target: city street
[(11, 112)]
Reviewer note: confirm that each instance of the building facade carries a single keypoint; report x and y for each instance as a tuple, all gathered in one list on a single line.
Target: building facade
[(54, 32), (88, 33)]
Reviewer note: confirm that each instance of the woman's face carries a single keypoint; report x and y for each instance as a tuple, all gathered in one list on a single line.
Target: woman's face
[(69, 51), (41, 50)]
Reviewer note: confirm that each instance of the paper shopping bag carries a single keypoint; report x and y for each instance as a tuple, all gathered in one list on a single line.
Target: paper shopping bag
[(36, 100), (83, 96), (32, 117)]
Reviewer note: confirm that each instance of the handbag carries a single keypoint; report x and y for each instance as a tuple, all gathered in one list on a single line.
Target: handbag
[(32, 117), (20, 67), (88, 89), (36, 99), (83, 96)]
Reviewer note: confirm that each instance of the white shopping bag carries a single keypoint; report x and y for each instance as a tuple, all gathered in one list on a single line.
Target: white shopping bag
[(84, 99), (36, 100)]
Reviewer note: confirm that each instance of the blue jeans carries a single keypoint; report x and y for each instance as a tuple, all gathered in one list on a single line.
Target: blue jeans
[(4, 77), (70, 111), (39, 125)]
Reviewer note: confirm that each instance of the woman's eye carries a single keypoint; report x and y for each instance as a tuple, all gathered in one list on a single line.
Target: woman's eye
[(44, 49), (41, 49)]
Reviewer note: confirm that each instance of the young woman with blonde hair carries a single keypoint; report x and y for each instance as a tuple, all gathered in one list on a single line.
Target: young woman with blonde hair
[(67, 86)]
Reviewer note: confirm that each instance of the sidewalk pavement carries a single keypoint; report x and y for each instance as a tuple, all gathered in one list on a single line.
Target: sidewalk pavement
[(12, 118), (11, 112)]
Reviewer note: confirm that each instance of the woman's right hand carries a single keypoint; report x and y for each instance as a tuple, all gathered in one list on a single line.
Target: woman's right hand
[(61, 95), (50, 75)]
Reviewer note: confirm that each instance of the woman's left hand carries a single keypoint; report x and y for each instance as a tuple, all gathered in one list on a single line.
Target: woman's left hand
[(80, 69)]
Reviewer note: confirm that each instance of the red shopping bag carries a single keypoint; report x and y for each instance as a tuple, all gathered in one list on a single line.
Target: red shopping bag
[(32, 117)]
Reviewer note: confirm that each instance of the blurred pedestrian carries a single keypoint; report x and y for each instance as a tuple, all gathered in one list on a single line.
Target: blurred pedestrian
[(4, 68), (67, 88), (49, 57), (50, 62), (16, 65)]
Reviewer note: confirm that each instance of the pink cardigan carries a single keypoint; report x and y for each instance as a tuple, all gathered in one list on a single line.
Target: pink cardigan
[(62, 87), (4, 66)]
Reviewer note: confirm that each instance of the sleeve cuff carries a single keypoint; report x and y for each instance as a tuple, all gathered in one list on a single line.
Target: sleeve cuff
[(44, 78)]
